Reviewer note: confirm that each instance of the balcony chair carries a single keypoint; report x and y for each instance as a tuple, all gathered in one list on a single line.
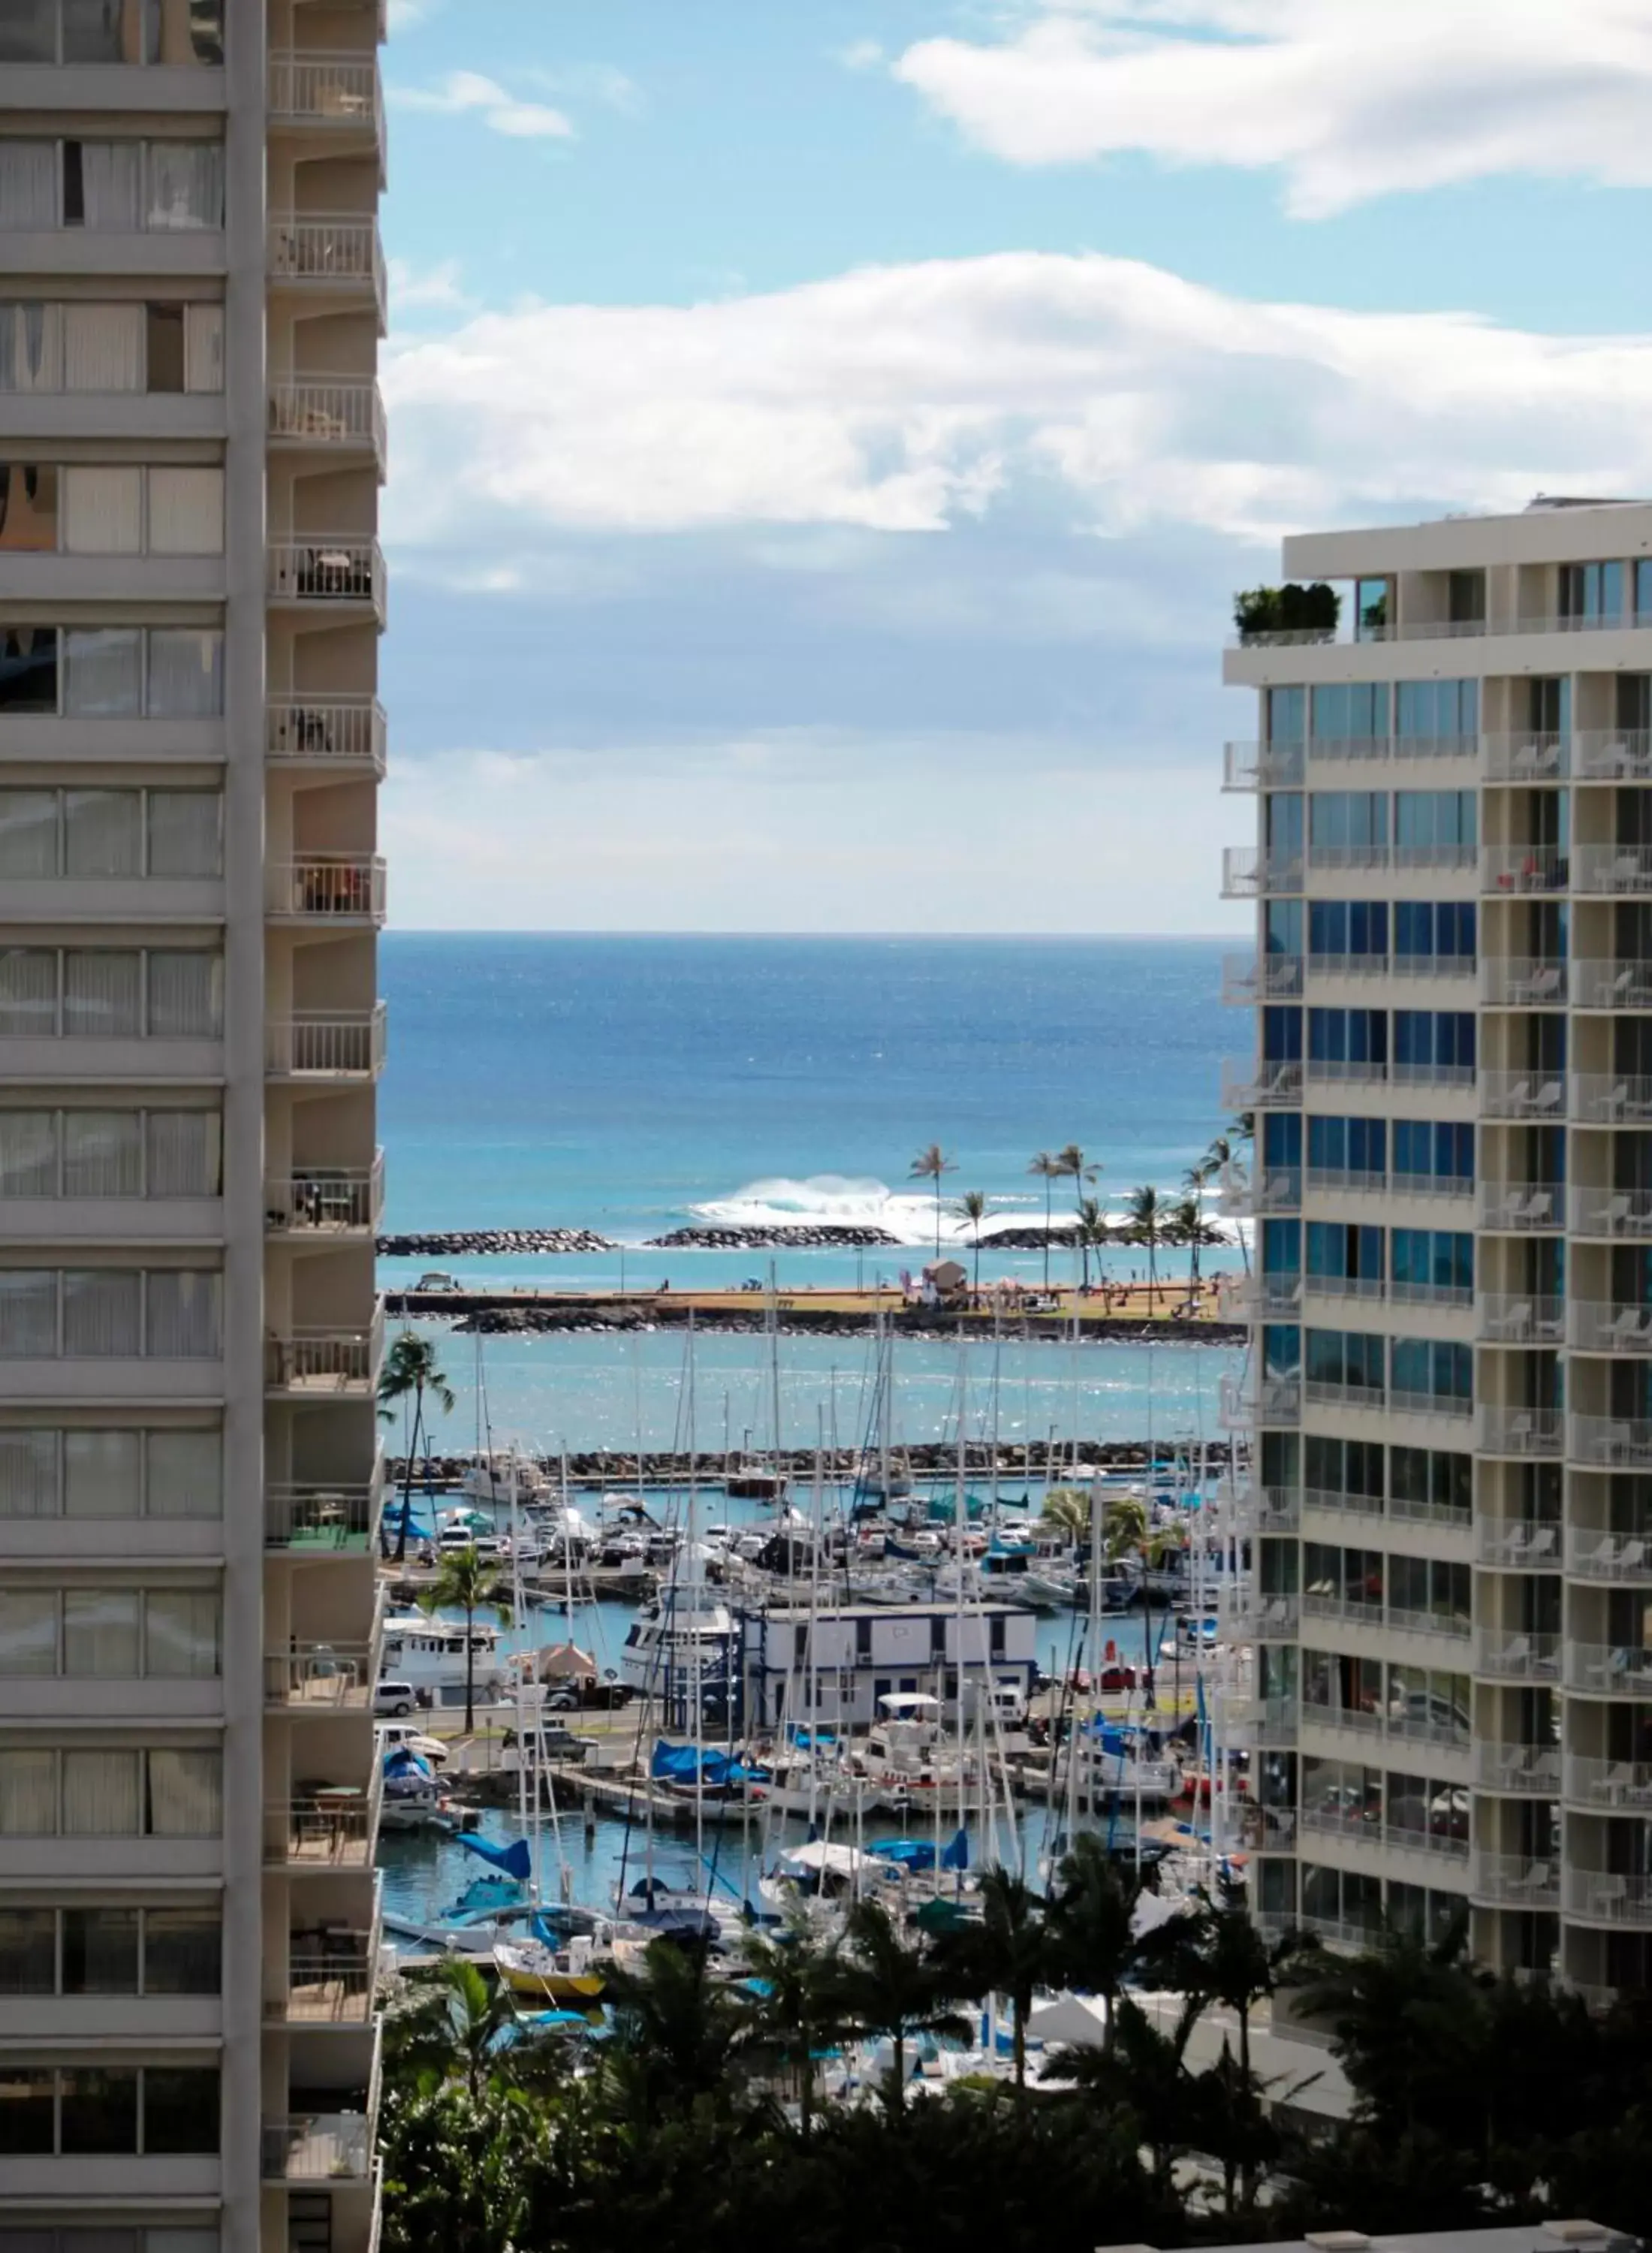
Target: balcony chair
[(1517, 1323)]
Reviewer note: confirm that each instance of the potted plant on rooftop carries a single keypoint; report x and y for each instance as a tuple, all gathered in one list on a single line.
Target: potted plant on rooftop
[(1311, 612)]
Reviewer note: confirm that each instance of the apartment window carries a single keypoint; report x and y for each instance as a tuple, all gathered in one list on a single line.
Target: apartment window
[(1349, 1044), (1433, 1263), (1281, 1035), (110, 832), (1348, 1256), (1352, 712), (1348, 1145), (1433, 1370), (101, 1313), (1352, 1468), (1437, 711), (110, 1154), (1287, 714), (28, 508), (1434, 1046), (90, 2109), (110, 1792), (48, 1472), (124, 347), (1344, 1361), (1355, 931), (1591, 593), (111, 509), (1431, 1481), (111, 187), (1348, 828), (1642, 590), (1281, 1247), (1434, 828), (1431, 1154), (131, 31), (1434, 929), (73, 992), (111, 672)]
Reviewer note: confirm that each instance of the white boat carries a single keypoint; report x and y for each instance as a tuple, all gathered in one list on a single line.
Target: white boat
[(683, 1636), (490, 1478), (429, 1653)]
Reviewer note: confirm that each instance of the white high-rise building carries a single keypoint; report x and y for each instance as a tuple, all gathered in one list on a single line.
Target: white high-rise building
[(192, 445), (1450, 1398)]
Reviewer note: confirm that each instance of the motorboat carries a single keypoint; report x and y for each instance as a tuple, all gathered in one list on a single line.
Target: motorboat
[(548, 1971), (429, 1652), (682, 1636)]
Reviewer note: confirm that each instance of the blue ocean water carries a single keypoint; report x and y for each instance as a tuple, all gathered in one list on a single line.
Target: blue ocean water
[(630, 1083)]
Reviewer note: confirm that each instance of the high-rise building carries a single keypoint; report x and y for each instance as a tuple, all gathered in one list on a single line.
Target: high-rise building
[(1450, 1387), (192, 445)]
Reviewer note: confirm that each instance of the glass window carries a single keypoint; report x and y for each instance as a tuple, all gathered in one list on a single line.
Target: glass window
[(99, 1951), (103, 668), (185, 185), (102, 1313), (28, 1153), (29, 359), (28, 1631), (101, 186), (180, 2108), (28, 508), (185, 1475), (28, 1474), (183, 1316), (184, 1153), (186, 994), (28, 31), (100, 995), (181, 1635), (101, 1473), (102, 832), (186, 832), (183, 1952), (102, 350), (28, 186), (108, 31), (1287, 714), (102, 1153), (186, 674), (28, 1313), (28, 1952), (28, 833), (187, 512), (164, 355), (1351, 712), (101, 1793), (28, 669), (103, 509), (97, 2109), (1436, 710), (100, 1633), (28, 2108), (28, 1795), (185, 1795)]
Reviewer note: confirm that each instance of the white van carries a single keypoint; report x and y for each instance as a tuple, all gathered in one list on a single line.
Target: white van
[(396, 1697), (394, 1735)]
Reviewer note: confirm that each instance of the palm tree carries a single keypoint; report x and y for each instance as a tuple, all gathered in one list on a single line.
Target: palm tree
[(450, 2022), (892, 1989), (676, 2032), (928, 1166), (1223, 1151), (1185, 1223), (1092, 1925), (1145, 2070), (1068, 1507), (1009, 1952), (1049, 1171), (971, 1208), (467, 1582), (1091, 1233), (411, 1370), (797, 2008), (1071, 1164), (1145, 1215), (1128, 1530)]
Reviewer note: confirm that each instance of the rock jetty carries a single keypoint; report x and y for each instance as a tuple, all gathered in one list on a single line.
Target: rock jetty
[(475, 1242), (927, 1458), (782, 1236)]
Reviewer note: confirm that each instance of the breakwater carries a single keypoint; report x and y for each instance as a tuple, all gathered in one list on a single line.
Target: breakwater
[(928, 1459), (481, 1243)]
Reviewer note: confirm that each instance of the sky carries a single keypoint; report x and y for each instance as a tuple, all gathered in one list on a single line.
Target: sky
[(826, 435)]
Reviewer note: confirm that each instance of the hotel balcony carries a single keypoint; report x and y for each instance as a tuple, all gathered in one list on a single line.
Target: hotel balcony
[(334, 1044), (318, 2147), (338, 97), (340, 414), (327, 1979), (1528, 756), (1608, 1783), (328, 888), (1522, 982), (1620, 870), (1280, 1189), (1234, 1194), (308, 1364), (1248, 1085), (1612, 1442), (323, 1677), (1504, 1654), (1612, 1099), (1519, 870), (1602, 1326), (1617, 1559), (1622, 1215), (1527, 1434), (330, 732), (1519, 1318), (1514, 1880), (1248, 873), (336, 256), (1517, 1771), (1612, 1897), (315, 1519), (326, 1201), (1262, 766), (333, 1827), (1514, 1545), (1604, 1669), (340, 574), (1266, 1298), (1522, 1208), (1279, 1509), (1270, 1723), (1613, 754), (1247, 978), (1611, 982), (1521, 1095), (1348, 1181)]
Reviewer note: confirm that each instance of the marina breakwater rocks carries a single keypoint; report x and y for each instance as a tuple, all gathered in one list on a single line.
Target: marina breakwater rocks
[(477, 1242), (481, 1313), (933, 1459), (784, 1236)]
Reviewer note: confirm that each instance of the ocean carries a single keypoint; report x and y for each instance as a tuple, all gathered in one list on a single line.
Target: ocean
[(632, 1085)]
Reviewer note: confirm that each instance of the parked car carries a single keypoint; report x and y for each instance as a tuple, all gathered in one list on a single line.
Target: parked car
[(394, 1697)]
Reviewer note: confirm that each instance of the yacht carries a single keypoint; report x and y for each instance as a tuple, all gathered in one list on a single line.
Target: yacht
[(681, 1636), (430, 1654)]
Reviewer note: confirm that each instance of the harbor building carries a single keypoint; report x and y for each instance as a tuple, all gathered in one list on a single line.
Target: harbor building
[(192, 594), (1449, 1395), (832, 1667)]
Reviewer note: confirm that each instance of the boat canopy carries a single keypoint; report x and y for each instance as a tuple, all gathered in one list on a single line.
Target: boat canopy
[(919, 1853), (819, 1857), (908, 1705), (703, 1765), (809, 1740), (516, 1859)]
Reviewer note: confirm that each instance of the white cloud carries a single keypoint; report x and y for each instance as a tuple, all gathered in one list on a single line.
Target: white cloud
[(910, 399), (464, 92), (860, 55), (435, 287), (404, 14), (598, 82), (1351, 98)]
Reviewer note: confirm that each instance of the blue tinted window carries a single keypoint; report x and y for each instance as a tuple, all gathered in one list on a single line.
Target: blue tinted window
[(1281, 1247), (1287, 715), (1282, 1138), (1281, 1035), (1424, 708)]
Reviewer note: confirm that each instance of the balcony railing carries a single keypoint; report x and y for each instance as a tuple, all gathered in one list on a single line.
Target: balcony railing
[(1352, 1611), (1337, 1392), (1518, 1543), (1247, 1085), (328, 569), (1248, 872), (1407, 1071), (1621, 1214), (1437, 853), (1347, 1071), (324, 1360), (1518, 982), (347, 412), (1528, 756), (1519, 870), (1612, 1099), (1404, 1291), (1434, 966), (1280, 1189), (1454, 1407), (332, 1828), (1348, 1505), (1349, 1181), (1608, 1783), (325, 1674), (330, 1986), (326, 888), (318, 2147), (1270, 1721), (1262, 766), (1518, 1770), (1233, 1190), (1528, 1433), (1370, 1288), (1247, 978), (1519, 1318), (1508, 1654), (339, 252), (1611, 982), (1613, 1442), (327, 1200), (1438, 629), (1523, 1208), (1614, 869), (315, 1516), (1607, 1670), (1279, 1509), (1458, 1186), (1613, 754), (1344, 857), (1606, 1326), (334, 1045), (300, 729), (1608, 1896), (1427, 1509), (1624, 1559), (1522, 1095), (1514, 1879), (1324, 965), (321, 88)]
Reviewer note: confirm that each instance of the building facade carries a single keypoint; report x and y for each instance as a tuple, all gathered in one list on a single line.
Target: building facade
[(831, 1666), (191, 446), (1449, 1400)]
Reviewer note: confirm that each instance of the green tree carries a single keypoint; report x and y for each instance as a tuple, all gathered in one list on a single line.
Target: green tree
[(797, 2008), (929, 1165), (411, 1370), (1128, 1531), (1091, 1233), (1092, 1912), (1068, 1509), (1008, 1953), (891, 1988), (971, 1208), (1145, 2071), (467, 1582), (1226, 1149), (1146, 1214), (1049, 1171), (677, 2033), (449, 2025)]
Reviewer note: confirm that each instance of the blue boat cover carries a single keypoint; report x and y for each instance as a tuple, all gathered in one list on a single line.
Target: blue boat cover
[(686, 1764), (516, 1859)]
